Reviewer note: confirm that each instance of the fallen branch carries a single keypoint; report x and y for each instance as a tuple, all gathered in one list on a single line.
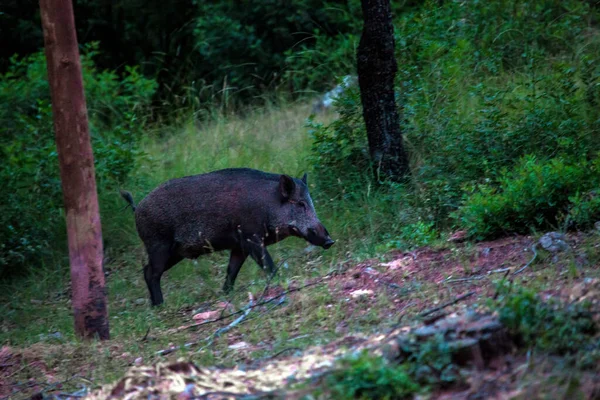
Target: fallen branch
[(496, 271), (473, 278), (448, 304), (533, 248), (258, 304), (145, 336), (211, 337), (227, 328)]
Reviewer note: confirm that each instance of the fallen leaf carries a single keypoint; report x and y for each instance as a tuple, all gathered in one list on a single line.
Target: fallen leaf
[(398, 263), (239, 345), (361, 292), (206, 315)]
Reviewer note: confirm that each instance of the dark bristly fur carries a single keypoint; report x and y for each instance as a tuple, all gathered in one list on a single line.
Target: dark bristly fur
[(238, 209)]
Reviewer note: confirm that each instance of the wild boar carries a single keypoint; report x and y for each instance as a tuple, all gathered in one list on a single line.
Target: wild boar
[(238, 209)]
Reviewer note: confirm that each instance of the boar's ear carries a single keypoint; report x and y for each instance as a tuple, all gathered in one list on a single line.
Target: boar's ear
[(304, 178), (286, 186)]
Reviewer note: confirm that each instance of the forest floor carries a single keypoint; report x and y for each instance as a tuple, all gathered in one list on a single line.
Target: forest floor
[(269, 336)]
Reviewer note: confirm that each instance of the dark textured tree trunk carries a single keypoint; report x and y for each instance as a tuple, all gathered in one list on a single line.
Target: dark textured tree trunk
[(76, 169), (376, 64)]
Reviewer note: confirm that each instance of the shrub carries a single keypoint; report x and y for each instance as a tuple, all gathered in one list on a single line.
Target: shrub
[(31, 217), (369, 377), (536, 194), (549, 326), (482, 86)]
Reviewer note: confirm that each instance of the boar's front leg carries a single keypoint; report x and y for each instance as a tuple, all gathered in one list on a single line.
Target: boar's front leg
[(263, 259), (236, 259)]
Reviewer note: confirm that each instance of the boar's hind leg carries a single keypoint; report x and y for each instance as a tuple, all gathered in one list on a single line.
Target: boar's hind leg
[(160, 259), (236, 259)]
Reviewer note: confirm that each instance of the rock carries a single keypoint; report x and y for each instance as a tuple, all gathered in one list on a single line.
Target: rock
[(466, 351), (140, 301), (52, 336), (554, 242)]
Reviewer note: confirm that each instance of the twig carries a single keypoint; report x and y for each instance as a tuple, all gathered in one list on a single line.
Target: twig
[(145, 336), (218, 332), (258, 304), (473, 278), (496, 271), (533, 248), (278, 354), (448, 304)]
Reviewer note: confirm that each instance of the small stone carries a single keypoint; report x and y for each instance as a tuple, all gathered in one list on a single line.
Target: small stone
[(138, 361), (140, 301), (426, 331), (597, 226), (554, 242)]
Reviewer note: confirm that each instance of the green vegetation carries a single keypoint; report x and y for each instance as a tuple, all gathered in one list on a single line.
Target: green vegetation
[(31, 217), (501, 119), (366, 377), (549, 326), (495, 96)]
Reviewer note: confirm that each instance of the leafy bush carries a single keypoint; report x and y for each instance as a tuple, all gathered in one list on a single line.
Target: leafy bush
[(417, 234), (549, 326), (340, 154), (369, 377), (482, 86), (31, 217), (536, 194)]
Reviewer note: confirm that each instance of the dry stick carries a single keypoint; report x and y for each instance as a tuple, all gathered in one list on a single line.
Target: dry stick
[(473, 278), (448, 304), (245, 312), (145, 336), (261, 303), (220, 331), (217, 332), (533, 248)]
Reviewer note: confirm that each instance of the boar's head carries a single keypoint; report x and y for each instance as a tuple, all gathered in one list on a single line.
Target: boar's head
[(297, 212)]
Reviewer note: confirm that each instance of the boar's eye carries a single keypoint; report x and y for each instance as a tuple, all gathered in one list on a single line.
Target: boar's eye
[(302, 204)]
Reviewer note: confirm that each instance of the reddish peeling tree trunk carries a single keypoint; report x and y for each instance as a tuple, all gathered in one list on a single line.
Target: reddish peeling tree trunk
[(76, 169), (376, 65)]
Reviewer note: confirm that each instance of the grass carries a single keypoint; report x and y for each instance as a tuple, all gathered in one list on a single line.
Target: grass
[(35, 308)]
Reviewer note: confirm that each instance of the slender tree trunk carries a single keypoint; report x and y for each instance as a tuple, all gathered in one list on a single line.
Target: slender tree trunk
[(376, 65), (76, 169)]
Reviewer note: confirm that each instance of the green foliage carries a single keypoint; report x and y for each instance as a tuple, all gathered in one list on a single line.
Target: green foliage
[(549, 326), (483, 87), (31, 217), (536, 194), (414, 235), (367, 377), (340, 154)]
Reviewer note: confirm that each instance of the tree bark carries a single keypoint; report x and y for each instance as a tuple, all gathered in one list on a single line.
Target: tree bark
[(76, 169), (377, 67)]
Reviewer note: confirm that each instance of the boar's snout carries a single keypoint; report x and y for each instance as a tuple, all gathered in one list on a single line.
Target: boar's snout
[(320, 237)]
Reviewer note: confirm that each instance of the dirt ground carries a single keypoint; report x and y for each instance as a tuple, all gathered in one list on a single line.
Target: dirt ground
[(421, 287)]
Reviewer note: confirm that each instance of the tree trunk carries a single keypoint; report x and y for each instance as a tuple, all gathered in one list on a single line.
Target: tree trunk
[(376, 65), (76, 169)]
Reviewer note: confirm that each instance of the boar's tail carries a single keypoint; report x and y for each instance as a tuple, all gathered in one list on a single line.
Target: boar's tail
[(128, 198)]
